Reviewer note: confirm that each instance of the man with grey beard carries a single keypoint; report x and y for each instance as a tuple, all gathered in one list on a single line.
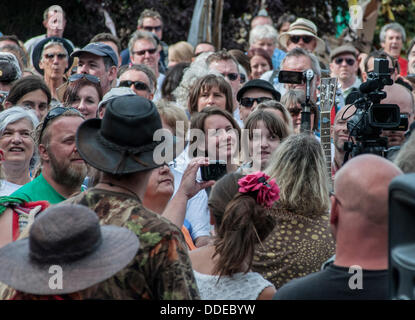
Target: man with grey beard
[(62, 168)]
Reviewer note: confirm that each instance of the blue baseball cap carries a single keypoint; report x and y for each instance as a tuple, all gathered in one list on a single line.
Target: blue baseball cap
[(98, 49)]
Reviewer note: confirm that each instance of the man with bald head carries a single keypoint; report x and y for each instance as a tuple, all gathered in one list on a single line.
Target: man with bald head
[(340, 135), (397, 94), (359, 222)]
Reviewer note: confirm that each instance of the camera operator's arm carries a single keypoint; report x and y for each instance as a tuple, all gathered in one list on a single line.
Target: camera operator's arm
[(175, 210)]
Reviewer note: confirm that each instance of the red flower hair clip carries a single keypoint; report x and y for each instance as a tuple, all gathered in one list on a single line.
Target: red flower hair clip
[(267, 192)]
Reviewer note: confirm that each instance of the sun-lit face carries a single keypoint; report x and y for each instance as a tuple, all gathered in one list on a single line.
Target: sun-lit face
[(86, 101), (264, 144), (220, 138), (393, 43), (259, 65), (212, 97), (54, 62), (17, 143), (266, 44)]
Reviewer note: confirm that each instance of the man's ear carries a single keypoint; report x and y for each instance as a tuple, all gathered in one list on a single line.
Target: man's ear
[(41, 67), (43, 152), (382, 45), (112, 73), (334, 215)]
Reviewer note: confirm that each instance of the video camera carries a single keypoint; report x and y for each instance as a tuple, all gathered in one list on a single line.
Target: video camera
[(298, 77), (371, 117)]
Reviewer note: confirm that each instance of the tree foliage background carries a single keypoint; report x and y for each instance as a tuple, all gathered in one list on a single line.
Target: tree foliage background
[(84, 19)]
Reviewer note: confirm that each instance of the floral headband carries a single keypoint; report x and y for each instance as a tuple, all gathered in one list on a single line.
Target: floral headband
[(267, 192)]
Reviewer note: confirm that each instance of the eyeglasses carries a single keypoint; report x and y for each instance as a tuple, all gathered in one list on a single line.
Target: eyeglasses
[(349, 61), (79, 76), (295, 111), (138, 85), (306, 39), (60, 56), (332, 194), (53, 113), (249, 102), (143, 52), (150, 29), (231, 76)]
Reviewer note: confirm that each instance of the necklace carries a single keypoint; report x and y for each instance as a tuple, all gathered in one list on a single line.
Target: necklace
[(122, 187)]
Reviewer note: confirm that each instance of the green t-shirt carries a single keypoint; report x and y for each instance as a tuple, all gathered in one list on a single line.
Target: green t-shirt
[(38, 189)]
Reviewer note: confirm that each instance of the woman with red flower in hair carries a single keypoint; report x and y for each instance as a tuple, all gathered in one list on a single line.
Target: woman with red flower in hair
[(239, 210)]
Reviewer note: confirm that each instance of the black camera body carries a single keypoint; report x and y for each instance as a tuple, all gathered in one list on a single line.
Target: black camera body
[(295, 77), (214, 171), (371, 117)]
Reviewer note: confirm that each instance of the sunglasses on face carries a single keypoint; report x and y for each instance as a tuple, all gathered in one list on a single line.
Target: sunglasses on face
[(138, 85), (349, 61), (143, 52), (249, 102), (150, 29), (51, 56), (79, 76), (53, 113), (296, 39), (231, 76)]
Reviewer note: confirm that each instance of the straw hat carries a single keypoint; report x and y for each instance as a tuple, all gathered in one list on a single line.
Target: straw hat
[(302, 27)]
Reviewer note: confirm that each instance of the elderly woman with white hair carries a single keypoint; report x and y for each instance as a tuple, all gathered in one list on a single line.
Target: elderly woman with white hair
[(266, 37), (17, 148)]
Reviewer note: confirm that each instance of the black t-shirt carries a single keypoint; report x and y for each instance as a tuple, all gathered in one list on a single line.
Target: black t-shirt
[(336, 283)]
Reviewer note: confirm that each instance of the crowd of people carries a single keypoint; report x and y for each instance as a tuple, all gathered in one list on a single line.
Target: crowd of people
[(187, 172)]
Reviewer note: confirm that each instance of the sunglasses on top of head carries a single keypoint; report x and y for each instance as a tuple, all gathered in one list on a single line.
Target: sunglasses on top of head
[(79, 76)]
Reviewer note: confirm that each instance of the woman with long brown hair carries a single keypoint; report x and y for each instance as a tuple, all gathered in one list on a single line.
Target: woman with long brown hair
[(239, 211)]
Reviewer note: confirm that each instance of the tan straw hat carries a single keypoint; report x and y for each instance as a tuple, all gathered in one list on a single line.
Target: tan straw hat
[(302, 27)]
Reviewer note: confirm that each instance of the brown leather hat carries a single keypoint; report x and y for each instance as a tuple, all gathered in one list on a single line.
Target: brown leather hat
[(121, 142)]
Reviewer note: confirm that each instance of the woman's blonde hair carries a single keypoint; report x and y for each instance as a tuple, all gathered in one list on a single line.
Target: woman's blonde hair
[(181, 51), (298, 166)]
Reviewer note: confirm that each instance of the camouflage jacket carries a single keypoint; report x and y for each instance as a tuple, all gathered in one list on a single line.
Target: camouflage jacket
[(161, 269)]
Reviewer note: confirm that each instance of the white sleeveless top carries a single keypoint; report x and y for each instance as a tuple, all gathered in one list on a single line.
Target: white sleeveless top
[(239, 286)]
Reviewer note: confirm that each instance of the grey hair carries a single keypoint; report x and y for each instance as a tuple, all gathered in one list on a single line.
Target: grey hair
[(14, 114), (11, 58), (17, 113), (263, 32), (196, 70), (139, 35), (54, 43), (392, 26), (298, 166), (297, 52)]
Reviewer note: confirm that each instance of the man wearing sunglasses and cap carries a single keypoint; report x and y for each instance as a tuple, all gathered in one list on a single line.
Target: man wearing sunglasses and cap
[(253, 93), (344, 66), (100, 60), (121, 147)]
